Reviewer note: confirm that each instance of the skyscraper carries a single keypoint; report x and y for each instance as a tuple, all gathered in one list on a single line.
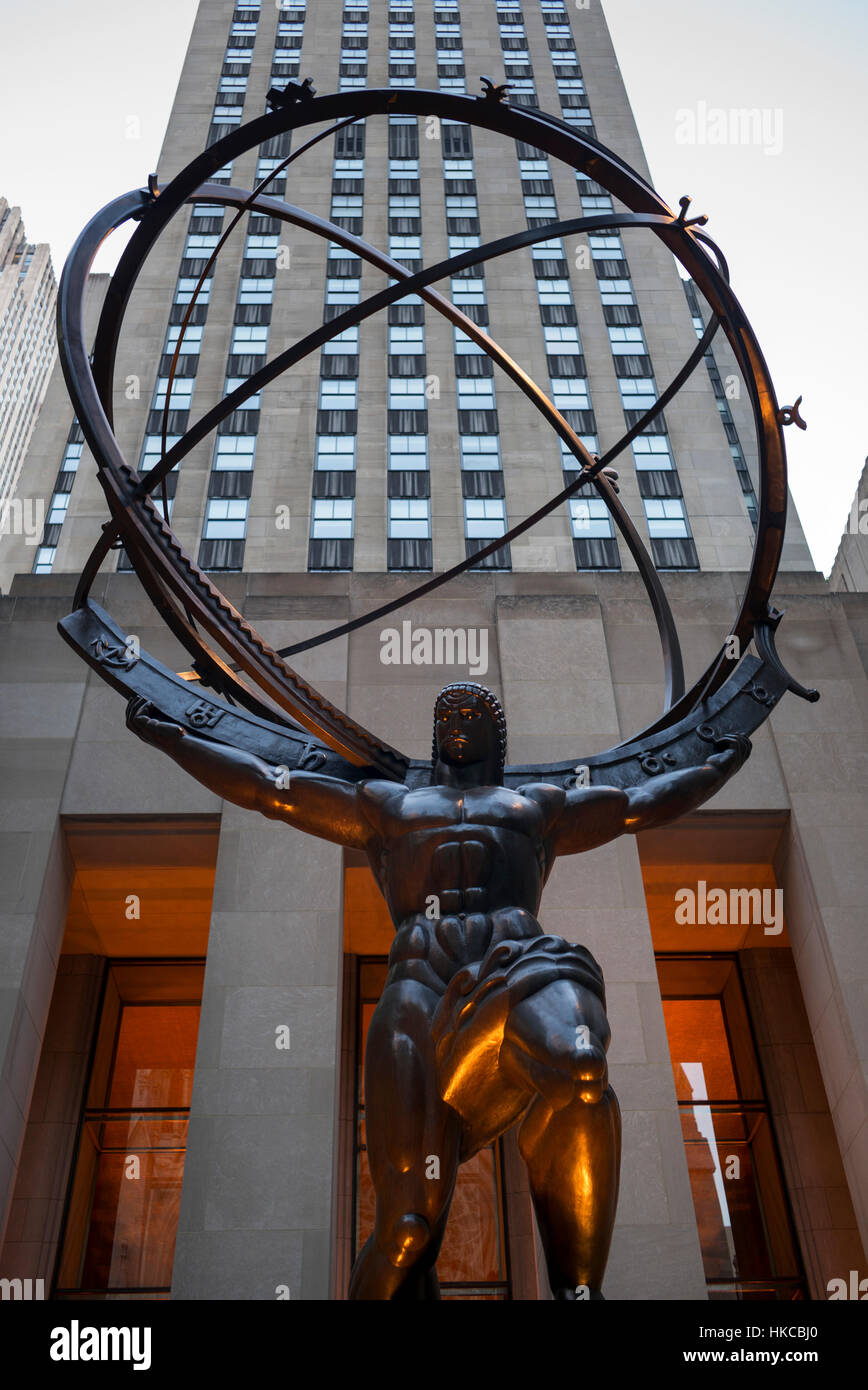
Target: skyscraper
[(28, 351), (207, 977)]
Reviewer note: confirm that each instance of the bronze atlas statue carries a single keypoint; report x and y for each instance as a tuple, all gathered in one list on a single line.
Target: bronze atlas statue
[(485, 1022)]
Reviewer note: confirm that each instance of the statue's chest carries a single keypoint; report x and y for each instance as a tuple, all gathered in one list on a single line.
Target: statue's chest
[(491, 809)]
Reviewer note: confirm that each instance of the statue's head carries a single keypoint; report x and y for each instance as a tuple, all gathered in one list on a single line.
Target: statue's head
[(470, 728)]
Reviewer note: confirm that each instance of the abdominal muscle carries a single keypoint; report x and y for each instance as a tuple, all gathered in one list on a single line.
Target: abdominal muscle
[(442, 874)]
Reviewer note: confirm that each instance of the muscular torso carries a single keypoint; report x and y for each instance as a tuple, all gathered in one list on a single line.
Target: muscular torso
[(473, 850)]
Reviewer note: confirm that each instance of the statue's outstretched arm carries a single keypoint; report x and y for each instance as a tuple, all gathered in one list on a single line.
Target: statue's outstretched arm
[(323, 806), (592, 816), (675, 793)]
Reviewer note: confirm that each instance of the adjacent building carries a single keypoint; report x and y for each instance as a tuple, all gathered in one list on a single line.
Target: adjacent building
[(28, 352)]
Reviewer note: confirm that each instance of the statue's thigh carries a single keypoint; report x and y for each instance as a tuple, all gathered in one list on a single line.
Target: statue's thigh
[(558, 1020), (556, 1038), (407, 1124)]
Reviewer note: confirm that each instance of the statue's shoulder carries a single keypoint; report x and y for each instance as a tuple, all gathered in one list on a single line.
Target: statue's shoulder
[(545, 794), (381, 794)]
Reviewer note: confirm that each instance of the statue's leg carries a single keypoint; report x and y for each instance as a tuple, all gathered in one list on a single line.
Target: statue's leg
[(413, 1142), (570, 1137)]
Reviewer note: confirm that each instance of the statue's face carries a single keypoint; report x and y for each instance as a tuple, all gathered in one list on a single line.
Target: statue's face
[(465, 729)]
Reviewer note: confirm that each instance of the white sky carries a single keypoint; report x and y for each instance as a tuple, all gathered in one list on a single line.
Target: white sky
[(87, 90)]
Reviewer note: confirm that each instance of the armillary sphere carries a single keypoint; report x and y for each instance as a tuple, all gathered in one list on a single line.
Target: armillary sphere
[(255, 699)]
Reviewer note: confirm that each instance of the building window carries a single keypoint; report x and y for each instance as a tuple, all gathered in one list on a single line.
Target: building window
[(637, 393), (337, 393), (44, 559), (409, 518), (186, 288), (408, 451), (406, 393), (652, 451), (615, 291), (554, 292), (562, 338), (250, 340), (479, 451), (343, 290), (589, 517), (152, 450), (597, 203), (665, 516), (190, 343), (119, 1237), (484, 518), (342, 344), (234, 452), (627, 341), (226, 519), (332, 518), (336, 451), (255, 291), (182, 392), (57, 509), (233, 383), (407, 341), (748, 1246), (570, 393)]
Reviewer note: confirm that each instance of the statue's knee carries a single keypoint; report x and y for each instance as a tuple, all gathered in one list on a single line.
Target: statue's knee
[(406, 1239), (591, 1074)]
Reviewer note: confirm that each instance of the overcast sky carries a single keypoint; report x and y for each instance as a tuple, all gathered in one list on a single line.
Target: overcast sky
[(87, 90)]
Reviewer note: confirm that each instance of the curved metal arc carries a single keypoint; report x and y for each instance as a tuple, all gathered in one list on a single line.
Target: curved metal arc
[(198, 595), (673, 665), (546, 133), (212, 260), (581, 152), (407, 283)]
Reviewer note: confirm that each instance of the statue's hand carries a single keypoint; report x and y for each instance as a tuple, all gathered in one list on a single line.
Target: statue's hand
[(158, 732), (734, 751)]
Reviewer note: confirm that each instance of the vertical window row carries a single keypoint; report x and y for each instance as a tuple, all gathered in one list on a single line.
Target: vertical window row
[(735, 449), (230, 482), (402, 44), (285, 65), (334, 477), (408, 545), (516, 55), (203, 233), (595, 545), (482, 483), (286, 59), (354, 45), (47, 548), (672, 544), (449, 47), (565, 62), (232, 88)]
